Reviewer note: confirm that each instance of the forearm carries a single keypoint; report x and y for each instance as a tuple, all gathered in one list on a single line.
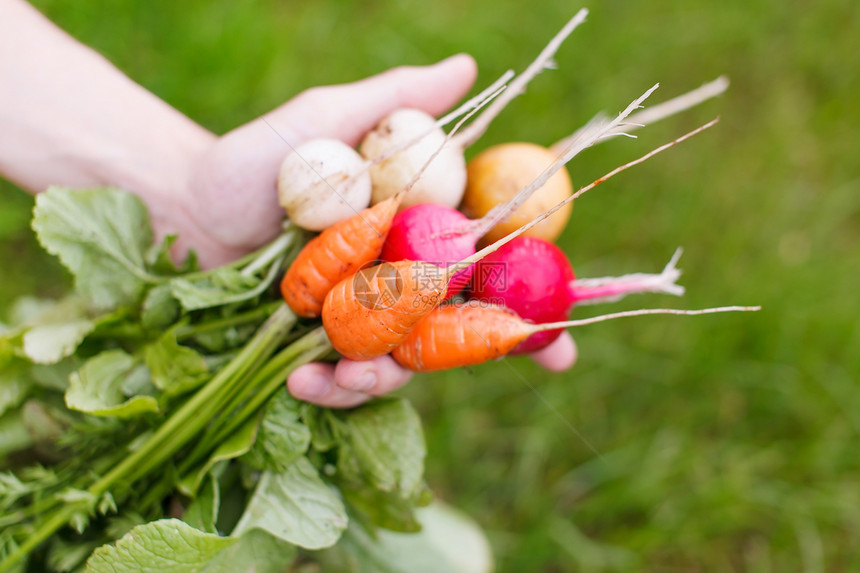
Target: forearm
[(69, 117)]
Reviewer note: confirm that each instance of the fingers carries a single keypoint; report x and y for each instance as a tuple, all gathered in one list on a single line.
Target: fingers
[(559, 355), (348, 384), (375, 377), (351, 383), (349, 111), (315, 383)]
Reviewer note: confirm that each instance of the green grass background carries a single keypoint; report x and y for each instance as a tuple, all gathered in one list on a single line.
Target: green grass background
[(724, 443)]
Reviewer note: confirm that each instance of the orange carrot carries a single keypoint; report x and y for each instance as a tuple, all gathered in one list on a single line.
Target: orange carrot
[(337, 252), (467, 334), (372, 312)]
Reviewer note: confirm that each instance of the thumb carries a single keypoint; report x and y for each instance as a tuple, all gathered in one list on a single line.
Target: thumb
[(348, 111)]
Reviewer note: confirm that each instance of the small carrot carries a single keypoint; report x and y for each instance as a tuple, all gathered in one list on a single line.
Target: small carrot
[(467, 334), (337, 252), (371, 313)]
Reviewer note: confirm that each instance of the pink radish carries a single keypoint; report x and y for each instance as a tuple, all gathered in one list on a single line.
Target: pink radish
[(533, 278)]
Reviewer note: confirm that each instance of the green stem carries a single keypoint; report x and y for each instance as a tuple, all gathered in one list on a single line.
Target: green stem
[(55, 522), (264, 252), (312, 346), (259, 312), (195, 414), (275, 249), (192, 417)]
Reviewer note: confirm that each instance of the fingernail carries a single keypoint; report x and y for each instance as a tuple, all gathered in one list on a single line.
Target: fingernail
[(317, 386), (364, 382)]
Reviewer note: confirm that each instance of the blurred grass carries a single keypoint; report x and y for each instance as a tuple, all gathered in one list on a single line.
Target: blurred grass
[(719, 443)]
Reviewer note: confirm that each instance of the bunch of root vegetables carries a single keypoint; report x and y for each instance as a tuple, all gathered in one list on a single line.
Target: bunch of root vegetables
[(163, 385), (396, 258)]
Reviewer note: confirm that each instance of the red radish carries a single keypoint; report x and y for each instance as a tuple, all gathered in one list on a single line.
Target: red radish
[(416, 235), (533, 278), (445, 181)]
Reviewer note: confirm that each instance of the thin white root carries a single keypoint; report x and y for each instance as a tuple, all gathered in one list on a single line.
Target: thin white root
[(517, 86), (656, 113), (477, 100), (453, 268), (596, 130), (664, 282), (614, 315), (680, 103)]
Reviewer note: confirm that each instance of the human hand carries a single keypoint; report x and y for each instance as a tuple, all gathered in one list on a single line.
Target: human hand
[(238, 174), (234, 181)]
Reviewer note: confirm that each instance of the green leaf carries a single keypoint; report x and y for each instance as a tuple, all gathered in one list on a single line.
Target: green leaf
[(236, 445), (175, 369), (32, 311), (46, 330), (159, 261), (13, 386), (164, 546), (325, 426), (386, 439), (160, 309), (68, 555), (49, 344), (448, 541), (282, 438), (13, 435), (172, 546), (7, 547), (296, 506), (255, 552), (97, 388), (218, 287), (46, 423), (101, 236), (55, 376), (382, 508), (26, 481), (202, 513)]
